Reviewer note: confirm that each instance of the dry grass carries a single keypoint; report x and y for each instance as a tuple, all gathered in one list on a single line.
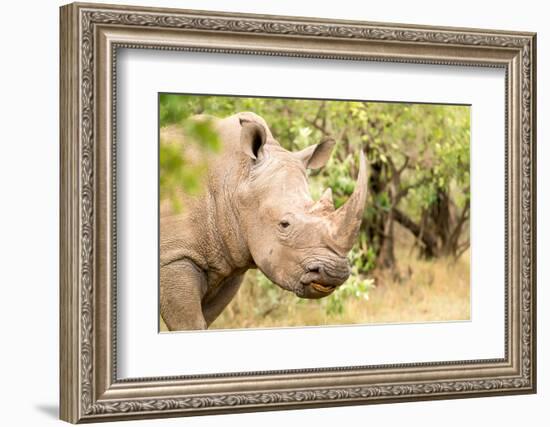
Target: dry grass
[(431, 291), (426, 291)]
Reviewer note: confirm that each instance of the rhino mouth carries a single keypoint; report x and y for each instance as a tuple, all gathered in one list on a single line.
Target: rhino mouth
[(324, 289), (320, 280)]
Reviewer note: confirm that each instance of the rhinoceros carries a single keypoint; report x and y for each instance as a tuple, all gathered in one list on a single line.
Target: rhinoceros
[(255, 211)]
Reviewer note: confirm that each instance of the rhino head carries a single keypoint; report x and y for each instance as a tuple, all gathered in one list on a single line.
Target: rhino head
[(299, 244)]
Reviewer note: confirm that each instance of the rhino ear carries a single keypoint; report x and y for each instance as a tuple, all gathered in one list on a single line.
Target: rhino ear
[(252, 137), (316, 156)]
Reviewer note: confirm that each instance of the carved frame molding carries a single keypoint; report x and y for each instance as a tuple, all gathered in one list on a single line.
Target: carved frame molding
[(90, 37)]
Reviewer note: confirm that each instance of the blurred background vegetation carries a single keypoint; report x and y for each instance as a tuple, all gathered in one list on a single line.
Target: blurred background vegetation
[(411, 260)]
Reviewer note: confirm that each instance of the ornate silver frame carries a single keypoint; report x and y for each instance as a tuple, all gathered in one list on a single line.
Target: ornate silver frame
[(90, 36)]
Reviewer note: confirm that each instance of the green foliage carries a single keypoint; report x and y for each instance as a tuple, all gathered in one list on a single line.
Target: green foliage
[(353, 288), (177, 173), (270, 294)]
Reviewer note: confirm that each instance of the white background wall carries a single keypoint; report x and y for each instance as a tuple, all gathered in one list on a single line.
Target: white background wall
[(29, 171)]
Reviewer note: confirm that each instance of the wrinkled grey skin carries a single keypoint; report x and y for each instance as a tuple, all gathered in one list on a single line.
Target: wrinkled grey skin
[(255, 212)]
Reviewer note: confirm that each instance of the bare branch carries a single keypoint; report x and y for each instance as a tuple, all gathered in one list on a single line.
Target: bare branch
[(427, 239), (463, 247), (464, 216), (405, 164), (319, 127)]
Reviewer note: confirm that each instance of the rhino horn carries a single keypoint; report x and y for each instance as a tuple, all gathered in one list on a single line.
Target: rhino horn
[(325, 205), (346, 220), (326, 199)]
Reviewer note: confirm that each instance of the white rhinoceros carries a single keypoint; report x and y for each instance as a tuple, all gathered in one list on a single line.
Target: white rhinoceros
[(255, 212)]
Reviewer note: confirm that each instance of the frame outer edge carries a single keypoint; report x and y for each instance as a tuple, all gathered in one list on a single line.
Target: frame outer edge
[(77, 225), (305, 19), (69, 355), (533, 112)]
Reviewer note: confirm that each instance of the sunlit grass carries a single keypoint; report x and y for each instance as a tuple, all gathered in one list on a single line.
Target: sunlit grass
[(427, 291)]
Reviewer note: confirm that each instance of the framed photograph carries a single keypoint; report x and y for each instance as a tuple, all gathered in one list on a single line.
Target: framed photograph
[(266, 212)]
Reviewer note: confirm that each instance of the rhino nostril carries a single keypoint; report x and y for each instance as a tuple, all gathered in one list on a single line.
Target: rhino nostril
[(314, 269)]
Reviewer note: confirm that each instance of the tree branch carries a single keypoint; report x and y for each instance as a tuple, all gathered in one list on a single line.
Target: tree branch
[(463, 247), (405, 164), (319, 127), (405, 190), (464, 216), (427, 239)]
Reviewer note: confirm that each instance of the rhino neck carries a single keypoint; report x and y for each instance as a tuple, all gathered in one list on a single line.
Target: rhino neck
[(228, 249)]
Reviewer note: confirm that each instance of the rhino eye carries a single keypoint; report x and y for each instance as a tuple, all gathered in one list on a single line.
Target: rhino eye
[(284, 224)]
